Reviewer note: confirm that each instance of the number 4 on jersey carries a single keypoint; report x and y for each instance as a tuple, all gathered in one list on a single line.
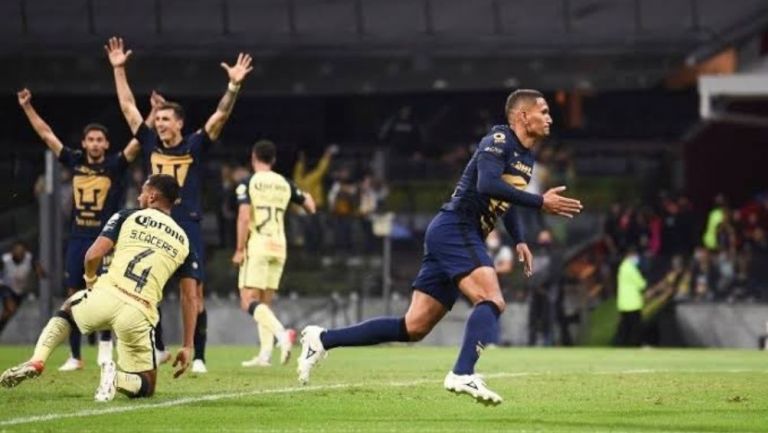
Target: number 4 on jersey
[(139, 279)]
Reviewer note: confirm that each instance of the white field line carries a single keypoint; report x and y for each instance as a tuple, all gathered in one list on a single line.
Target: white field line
[(298, 389)]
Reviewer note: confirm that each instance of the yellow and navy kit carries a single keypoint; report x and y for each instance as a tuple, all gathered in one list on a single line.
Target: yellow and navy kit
[(150, 248), (96, 189), (269, 195), (183, 162)]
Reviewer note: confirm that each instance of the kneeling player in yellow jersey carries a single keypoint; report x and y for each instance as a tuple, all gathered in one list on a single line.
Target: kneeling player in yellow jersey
[(149, 248), (261, 249)]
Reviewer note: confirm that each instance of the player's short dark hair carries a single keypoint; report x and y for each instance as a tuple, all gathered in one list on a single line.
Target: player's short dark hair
[(265, 151), (96, 127), (178, 110), (166, 185), (519, 96)]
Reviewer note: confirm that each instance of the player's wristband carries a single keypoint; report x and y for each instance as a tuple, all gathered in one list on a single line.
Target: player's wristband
[(232, 87), (90, 280)]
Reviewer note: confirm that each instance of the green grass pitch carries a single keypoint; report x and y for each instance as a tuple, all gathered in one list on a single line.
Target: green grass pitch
[(399, 389)]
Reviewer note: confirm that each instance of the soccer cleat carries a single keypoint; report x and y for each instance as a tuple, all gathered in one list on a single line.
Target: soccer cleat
[(162, 356), (15, 375), (71, 364), (257, 361), (472, 384), (312, 351), (286, 345), (198, 366), (108, 382), (105, 352)]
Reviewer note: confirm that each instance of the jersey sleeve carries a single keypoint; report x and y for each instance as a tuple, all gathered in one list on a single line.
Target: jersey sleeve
[(190, 268), (241, 192), (70, 157), (297, 195), (199, 142), (491, 161), (147, 138), (111, 229)]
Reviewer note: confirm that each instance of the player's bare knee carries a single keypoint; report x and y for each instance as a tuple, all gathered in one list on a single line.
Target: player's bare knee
[(417, 329), (496, 300)]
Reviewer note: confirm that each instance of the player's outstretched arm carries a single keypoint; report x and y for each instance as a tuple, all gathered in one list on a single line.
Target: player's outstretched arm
[(118, 57), (38, 124), (237, 74), (514, 226), (489, 182), (243, 224), (188, 296), (133, 148), (93, 257)]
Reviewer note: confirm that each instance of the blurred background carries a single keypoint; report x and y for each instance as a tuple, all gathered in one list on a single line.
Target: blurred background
[(660, 127)]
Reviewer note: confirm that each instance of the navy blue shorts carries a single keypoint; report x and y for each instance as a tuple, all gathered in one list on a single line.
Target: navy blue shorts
[(195, 236), (453, 248), (74, 266), (8, 293)]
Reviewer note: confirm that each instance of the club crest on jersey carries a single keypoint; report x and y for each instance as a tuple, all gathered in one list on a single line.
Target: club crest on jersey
[(499, 137)]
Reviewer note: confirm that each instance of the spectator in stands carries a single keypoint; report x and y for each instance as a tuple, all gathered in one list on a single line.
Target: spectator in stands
[(371, 196), (715, 217), (631, 285), (312, 227), (403, 134), (343, 204), (17, 266), (704, 275), (544, 294)]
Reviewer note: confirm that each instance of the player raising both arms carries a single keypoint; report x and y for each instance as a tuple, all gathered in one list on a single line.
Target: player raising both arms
[(166, 150), (97, 187), (149, 247), (261, 247), (455, 258)]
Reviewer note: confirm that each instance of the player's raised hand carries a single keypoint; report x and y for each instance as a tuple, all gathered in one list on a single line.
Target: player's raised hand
[(556, 204), (182, 361), (156, 99), (238, 258), (116, 52), (240, 69), (25, 97), (525, 257)]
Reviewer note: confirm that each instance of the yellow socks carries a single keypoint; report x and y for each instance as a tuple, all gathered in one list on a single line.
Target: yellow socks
[(263, 315), (267, 342), (54, 333), (128, 383)]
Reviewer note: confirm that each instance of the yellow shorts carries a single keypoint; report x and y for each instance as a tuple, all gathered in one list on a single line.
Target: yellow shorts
[(260, 271), (99, 309)]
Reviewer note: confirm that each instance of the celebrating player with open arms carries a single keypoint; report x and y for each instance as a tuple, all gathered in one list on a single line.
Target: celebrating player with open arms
[(455, 258), (166, 150), (149, 247), (96, 187)]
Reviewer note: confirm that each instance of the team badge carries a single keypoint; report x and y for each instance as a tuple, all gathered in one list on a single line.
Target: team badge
[(499, 137)]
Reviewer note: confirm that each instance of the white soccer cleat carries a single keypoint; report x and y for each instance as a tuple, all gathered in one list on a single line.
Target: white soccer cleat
[(257, 361), (71, 364), (15, 375), (286, 345), (108, 382), (472, 384), (312, 351), (162, 356), (198, 366), (105, 352)]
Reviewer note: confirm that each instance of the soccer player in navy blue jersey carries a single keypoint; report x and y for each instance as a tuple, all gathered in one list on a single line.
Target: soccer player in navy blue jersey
[(97, 187), (455, 258), (167, 151)]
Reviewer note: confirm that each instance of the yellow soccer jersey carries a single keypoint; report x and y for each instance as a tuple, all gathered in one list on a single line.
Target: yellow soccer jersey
[(269, 195), (149, 249)]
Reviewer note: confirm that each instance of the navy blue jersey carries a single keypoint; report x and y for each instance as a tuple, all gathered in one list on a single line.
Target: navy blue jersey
[(97, 190), (182, 162), (498, 156)]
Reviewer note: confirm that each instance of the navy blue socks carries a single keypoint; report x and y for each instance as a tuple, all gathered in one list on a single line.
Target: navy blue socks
[(481, 330), (368, 333)]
